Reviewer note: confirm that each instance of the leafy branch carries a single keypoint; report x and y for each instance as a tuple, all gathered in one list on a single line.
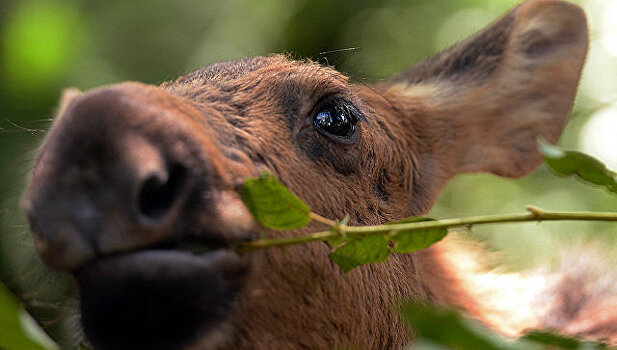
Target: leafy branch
[(275, 207), (533, 214)]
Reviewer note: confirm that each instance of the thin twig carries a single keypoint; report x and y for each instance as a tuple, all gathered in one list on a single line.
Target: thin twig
[(321, 219), (533, 214)]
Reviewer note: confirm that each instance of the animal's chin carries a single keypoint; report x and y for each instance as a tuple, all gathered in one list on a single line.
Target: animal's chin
[(158, 299)]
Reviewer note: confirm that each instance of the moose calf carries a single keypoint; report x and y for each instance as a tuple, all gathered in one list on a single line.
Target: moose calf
[(135, 192)]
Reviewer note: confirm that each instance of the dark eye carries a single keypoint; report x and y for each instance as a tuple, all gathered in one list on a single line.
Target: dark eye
[(336, 121)]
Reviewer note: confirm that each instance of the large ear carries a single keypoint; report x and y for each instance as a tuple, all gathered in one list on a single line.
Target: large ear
[(480, 105)]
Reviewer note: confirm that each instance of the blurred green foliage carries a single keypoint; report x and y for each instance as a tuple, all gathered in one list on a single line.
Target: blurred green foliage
[(438, 328), (12, 334), (46, 45), (40, 38)]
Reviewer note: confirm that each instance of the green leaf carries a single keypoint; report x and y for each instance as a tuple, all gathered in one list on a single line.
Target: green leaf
[(273, 205), (422, 344), (583, 166), (13, 334), (447, 328), (409, 241), (372, 249), (436, 328), (559, 341)]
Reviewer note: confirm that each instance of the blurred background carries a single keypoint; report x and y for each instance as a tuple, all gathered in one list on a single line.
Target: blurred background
[(48, 45)]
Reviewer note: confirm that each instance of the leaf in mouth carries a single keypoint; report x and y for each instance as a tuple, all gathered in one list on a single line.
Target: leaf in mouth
[(411, 241), (273, 205), (372, 249)]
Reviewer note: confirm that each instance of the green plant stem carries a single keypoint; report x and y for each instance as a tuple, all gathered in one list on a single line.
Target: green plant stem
[(533, 214), (321, 219)]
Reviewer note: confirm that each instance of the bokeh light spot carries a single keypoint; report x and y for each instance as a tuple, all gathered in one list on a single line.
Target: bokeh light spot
[(41, 38), (608, 33), (599, 136)]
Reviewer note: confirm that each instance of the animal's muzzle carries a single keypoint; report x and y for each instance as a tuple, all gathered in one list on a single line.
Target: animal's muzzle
[(128, 196)]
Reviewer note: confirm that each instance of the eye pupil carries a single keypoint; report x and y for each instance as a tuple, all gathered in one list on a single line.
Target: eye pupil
[(336, 122)]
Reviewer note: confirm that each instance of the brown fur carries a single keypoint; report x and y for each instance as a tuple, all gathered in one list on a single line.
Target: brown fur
[(476, 107)]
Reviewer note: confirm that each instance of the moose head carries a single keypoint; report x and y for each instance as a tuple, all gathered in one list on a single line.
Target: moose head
[(135, 190)]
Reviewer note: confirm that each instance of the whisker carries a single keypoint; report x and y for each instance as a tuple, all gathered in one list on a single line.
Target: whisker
[(339, 50), (20, 128)]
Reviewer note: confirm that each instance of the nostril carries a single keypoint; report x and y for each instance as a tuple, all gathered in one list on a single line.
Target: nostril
[(158, 194)]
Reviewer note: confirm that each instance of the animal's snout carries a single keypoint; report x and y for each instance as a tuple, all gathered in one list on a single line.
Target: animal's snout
[(91, 209), (129, 193), (118, 174)]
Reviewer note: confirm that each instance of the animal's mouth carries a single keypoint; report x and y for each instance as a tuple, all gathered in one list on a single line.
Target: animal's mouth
[(161, 297), (195, 245)]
